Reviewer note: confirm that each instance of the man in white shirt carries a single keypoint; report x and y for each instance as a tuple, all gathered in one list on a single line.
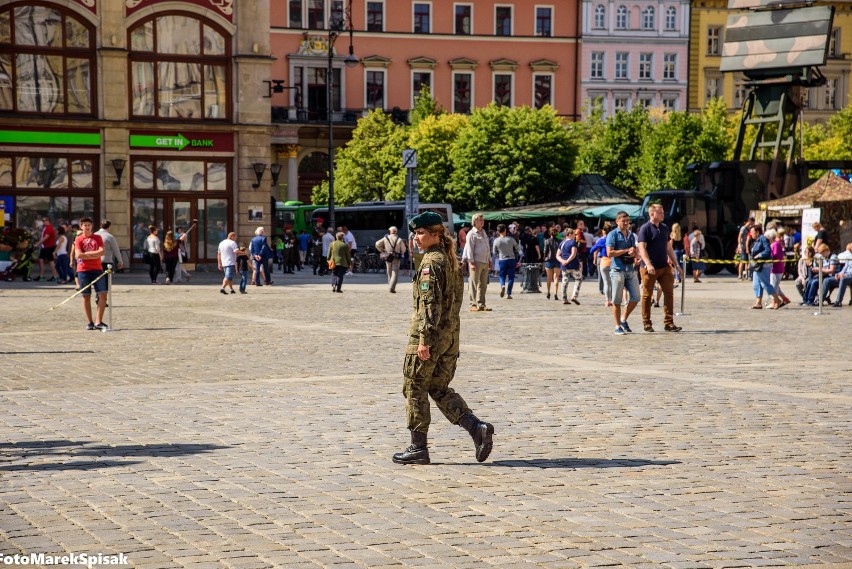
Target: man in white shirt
[(226, 257), (349, 239), (478, 254), (327, 240)]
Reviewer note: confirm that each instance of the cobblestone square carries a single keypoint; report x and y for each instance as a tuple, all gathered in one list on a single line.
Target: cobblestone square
[(256, 430)]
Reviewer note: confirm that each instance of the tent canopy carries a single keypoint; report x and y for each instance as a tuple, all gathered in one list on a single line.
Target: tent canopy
[(829, 188), (586, 193)]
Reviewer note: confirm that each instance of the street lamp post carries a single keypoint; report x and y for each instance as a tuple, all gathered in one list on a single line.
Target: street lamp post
[(335, 27)]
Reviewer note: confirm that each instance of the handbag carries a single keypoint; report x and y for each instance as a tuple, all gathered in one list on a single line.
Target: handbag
[(331, 264), (389, 256)]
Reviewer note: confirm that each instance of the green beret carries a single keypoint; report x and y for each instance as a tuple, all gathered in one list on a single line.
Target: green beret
[(425, 219)]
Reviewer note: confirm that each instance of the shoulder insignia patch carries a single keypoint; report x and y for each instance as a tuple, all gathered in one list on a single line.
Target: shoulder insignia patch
[(424, 271), (424, 285)]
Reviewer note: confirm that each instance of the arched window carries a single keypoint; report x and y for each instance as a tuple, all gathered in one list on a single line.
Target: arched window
[(671, 19), (648, 18), (179, 68), (47, 61), (600, 17), (621, 18)]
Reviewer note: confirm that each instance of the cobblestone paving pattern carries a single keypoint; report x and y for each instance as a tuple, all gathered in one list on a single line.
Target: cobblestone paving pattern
[(256, 430)]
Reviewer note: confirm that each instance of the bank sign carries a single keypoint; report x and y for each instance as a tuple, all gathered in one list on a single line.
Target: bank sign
[(182, 141)]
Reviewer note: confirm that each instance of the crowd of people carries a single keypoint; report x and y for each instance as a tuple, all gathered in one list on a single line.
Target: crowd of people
[(631, 264)]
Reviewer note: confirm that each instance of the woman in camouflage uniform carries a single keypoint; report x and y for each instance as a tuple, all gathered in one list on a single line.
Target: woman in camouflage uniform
[(433, 344)]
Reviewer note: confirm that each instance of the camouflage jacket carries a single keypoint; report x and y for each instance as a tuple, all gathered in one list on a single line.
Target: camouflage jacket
[(437, 297)]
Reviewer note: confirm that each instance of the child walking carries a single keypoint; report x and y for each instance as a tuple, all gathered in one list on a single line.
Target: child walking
[(244, 265)]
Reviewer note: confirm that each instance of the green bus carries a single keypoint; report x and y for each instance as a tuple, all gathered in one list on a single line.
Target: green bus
[(293, 215)]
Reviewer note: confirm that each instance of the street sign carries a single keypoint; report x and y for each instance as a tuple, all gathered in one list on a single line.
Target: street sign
[(409, 159), (158, 141)]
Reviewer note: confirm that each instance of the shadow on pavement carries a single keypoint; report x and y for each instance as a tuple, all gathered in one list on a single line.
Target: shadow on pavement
[(579, 463), (84, 449), (48, 352)]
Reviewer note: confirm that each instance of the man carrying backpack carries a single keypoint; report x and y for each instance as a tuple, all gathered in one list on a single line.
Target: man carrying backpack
[(391, 249)]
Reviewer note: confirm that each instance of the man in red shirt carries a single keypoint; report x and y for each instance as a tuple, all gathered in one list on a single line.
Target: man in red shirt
[(90, 248), (47, 244)]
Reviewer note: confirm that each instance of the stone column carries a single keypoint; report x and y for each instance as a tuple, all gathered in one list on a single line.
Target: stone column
[(292, 151)]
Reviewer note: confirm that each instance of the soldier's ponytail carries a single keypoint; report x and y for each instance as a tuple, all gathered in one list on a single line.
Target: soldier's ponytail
[(448, 244)]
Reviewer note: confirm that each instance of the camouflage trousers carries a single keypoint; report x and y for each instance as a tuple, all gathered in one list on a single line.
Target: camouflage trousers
[(430, 378)]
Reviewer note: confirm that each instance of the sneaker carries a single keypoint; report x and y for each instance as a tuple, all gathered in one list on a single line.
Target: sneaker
[(243, 292), (222, 291), (548, 296), (233, 291), (168, 281), (471, 309), (619, 331), (348, 274), (575, 301), (509, 297), (649, 328), (502, 291), (101, 326), (484, 309), (625, 327), (566, 301), (672, 328), (51, 279), (36, 279), (90, 326)]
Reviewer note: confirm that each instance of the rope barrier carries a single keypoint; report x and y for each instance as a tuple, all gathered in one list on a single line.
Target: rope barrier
[(735, 261), (88, 286)]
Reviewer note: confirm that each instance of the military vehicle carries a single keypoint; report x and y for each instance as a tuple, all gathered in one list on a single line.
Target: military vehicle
[(779, 50)]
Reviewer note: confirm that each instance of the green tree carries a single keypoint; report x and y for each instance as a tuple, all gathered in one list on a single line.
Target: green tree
[(424, 106), (510, 156), (433, 138), (612, 147), (369, 166), (677, 139)]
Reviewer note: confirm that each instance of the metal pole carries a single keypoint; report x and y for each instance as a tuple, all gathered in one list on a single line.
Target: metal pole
[(682, 285), (819, 286), (109, 297), (331, 37)]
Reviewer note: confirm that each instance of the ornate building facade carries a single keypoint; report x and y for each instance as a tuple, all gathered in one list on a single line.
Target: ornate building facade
[(635, 53), (138, 111), (469, 54)]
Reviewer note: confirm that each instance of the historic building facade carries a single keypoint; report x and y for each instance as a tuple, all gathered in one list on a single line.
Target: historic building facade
[(707, 36), (635, 53), (469, 54), (140, 111)]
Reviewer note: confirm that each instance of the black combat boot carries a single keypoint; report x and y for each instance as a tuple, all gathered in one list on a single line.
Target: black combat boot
[(481, 432), (417, 453)]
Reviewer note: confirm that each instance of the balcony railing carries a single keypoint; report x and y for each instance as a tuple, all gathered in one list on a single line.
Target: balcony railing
[(301, 115)]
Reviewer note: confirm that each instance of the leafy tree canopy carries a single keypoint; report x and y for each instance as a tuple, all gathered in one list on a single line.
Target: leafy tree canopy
[(369, 167), (510, 156)]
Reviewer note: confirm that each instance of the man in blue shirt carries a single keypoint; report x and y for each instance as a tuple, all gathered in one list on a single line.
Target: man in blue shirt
[(655, 250), (261, 253), (569, 256), (621, 248)]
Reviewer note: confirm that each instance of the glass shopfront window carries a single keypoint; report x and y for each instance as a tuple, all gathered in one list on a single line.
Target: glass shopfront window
[(180, 67), (47, 61), (170, 193), (59, 186)]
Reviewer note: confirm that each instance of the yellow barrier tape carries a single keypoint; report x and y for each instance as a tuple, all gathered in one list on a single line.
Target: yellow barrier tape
[(106, 272), (735, 261)]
